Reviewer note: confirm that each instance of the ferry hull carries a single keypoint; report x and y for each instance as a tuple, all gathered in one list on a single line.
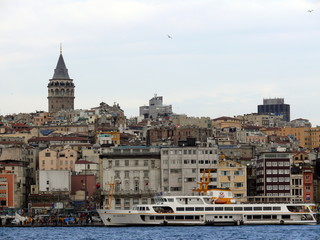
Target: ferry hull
[(131, 218)]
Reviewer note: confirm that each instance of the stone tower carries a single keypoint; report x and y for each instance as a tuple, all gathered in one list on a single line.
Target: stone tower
[(60, 88)]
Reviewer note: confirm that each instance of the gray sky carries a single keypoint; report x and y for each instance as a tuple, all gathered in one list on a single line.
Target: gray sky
[(224, 57)]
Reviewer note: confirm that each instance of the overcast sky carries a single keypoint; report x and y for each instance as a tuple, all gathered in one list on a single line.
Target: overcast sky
[(224, 57)]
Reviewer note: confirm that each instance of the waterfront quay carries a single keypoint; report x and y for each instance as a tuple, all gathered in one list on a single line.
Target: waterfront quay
[(51, 219)]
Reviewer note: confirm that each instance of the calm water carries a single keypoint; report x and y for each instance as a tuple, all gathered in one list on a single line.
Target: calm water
[(176, 233)]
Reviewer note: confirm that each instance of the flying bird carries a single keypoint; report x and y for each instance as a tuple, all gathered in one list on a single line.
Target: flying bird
[(169, 36), (311, 10)]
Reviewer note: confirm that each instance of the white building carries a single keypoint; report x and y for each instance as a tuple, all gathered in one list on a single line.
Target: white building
[(54, 181)]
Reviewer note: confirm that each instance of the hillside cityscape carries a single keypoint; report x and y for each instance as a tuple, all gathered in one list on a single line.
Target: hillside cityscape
[(74, 159)]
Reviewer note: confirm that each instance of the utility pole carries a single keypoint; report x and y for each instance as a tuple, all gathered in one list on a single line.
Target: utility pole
[(85, 182)]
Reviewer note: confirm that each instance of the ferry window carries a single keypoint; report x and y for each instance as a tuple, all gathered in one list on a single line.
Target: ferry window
[(276, 208), (179, 217), (147, 208), (189, 217), (151, 217), (257, 208), (267, 208), (169, 217), (170, 199), (274, 216), (180, 209), (256, 216), (159, 217), (248, 208), (285, 216), (230, 216), (189, 209), (225, 216), (249, 217), (219, 208), (238, 208), (266, 216), (228, 208), (220, 216), (209, 208), (199, 209), (215, 216), (197, 217)]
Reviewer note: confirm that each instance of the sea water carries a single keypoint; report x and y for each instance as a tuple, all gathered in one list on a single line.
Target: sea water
[(281, 232)]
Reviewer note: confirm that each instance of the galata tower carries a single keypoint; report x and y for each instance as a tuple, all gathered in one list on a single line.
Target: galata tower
[(60, 88)]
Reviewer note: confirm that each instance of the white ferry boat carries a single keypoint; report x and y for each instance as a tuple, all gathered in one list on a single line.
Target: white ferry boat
[(216, 207)]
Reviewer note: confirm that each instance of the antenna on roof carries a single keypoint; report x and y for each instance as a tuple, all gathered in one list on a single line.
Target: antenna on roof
[(60, 48)]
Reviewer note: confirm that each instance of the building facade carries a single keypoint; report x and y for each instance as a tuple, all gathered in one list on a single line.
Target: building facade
[(182, 168), (275, 106), (273, 174)]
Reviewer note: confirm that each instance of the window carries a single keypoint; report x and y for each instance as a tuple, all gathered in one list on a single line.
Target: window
[(126, 163), (136, 162), (268, 164), (225, 173), (225, 185), (126, 174), (238, 184), (274, 164), (116, 163), (238, 173), (136, 185), (145, 163), (47, 154), (117, 174), (145, 174)]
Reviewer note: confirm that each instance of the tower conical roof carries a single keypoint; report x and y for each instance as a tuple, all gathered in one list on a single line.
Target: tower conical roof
[(61, 71)]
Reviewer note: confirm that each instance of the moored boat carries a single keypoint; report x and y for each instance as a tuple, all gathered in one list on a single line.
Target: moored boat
[(215, 208)]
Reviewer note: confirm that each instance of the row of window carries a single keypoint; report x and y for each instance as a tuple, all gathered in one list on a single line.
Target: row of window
[(188, 152), (228, 184), (126, 163), (278, 187), (127, 174), (276, 179), (189, 161), (229, 173), (258, 208), (276, 164), (170, 217), (61, 162), (274, 171)]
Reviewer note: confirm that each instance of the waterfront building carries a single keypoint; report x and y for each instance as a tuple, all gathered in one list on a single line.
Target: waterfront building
[(7, 189), (133, 171), (233, 175), (273, 171), (182, 168)]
